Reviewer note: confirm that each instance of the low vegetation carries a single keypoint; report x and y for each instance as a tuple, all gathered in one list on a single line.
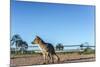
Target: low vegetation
[(85, 51)]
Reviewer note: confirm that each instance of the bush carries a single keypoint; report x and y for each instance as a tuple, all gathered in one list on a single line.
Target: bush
[(88, 51)]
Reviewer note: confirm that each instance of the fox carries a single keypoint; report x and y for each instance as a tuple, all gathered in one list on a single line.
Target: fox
[(47, 50)]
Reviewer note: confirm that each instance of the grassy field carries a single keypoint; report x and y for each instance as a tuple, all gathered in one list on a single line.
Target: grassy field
[(37, 59)]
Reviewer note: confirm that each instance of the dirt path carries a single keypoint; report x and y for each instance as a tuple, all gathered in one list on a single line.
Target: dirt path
[(37, 59)]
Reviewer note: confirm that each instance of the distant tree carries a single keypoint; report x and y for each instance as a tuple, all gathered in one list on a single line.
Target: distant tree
[(59, 46), (85, 44), (19, 43), (16, 39), (23, 47), (81, 46)]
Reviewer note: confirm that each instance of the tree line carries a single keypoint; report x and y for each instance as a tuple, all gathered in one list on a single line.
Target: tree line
[(22, 45)]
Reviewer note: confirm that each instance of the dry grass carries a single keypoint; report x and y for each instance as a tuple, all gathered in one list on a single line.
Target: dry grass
[(36, 59)]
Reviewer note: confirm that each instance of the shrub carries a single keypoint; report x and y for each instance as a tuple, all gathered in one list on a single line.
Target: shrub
[(88, 51)]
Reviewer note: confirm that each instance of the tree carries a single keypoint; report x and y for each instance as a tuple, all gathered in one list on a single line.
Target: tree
[(24, 47), (59, 46), (19, 43), (81, 46), (15, 39)]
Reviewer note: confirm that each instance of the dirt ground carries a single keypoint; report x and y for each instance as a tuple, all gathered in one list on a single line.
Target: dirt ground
[(37, 59)]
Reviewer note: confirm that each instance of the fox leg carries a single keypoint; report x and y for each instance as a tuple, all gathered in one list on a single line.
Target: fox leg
[(49, 57), (44, 56), (52, 59), (56, 56)]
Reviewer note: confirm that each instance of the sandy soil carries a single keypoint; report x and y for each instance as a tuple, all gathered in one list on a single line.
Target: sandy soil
[(37, 59)]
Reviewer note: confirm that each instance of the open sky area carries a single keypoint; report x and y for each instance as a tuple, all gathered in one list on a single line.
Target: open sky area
[(68, 24)]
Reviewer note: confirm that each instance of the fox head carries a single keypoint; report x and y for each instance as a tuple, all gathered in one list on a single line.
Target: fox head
[(36, 40)]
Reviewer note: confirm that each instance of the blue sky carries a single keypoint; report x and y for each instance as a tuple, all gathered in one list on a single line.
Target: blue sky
[(68, 24)]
